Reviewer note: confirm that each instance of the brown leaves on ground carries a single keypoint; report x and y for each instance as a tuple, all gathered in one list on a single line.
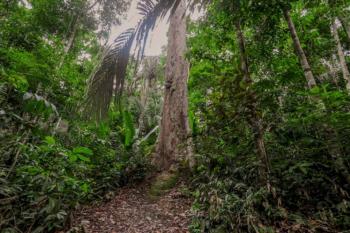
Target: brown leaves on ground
[(133, 211)]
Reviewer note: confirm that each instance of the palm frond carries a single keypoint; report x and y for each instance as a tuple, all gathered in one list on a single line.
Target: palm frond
[(108, 79), (152, 10)]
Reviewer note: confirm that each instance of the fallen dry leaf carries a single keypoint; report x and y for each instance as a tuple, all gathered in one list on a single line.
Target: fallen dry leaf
[(131, 210)]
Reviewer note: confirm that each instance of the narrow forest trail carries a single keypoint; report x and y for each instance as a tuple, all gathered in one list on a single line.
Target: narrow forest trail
[(134, 210)]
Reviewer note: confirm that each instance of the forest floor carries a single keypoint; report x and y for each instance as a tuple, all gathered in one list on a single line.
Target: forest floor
[(135, 209)]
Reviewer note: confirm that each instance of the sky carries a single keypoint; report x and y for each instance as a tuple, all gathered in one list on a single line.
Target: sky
[(157, 39)]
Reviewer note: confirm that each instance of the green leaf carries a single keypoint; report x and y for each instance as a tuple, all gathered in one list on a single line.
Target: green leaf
[(85, 187), (72, 157), (19, 82), (83, 158), (129, 129), (82, 150), (315, 90), (50, 140)]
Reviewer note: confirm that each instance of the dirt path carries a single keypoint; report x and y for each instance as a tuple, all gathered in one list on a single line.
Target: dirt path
[(132, 210)]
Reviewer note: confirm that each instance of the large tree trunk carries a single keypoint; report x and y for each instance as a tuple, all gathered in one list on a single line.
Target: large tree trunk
[(253, 117), (346, 26), (343, 65), (299, 50), (173, 140)]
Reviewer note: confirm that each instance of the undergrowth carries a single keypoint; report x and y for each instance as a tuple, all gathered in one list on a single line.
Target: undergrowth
[(48, 170)]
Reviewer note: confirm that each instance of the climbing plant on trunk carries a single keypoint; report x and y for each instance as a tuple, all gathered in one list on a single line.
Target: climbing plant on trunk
[(255, 121)]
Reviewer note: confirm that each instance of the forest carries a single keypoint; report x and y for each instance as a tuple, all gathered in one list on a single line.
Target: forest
[(241, 123)]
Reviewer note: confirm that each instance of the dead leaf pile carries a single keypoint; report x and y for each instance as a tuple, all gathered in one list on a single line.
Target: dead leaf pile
[(133, 211)]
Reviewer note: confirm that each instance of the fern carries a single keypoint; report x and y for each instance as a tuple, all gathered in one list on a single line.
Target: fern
[(129, 129)]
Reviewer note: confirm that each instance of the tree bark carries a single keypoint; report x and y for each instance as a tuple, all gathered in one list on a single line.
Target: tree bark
[(174, 138), (343, 65), (299, 50), (346, 26), (253, 118)]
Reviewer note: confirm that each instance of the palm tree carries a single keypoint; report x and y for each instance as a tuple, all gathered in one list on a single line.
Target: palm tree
[(108, 79)]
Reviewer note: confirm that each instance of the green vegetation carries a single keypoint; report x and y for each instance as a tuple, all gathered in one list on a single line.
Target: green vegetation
[(305, 131), (52, 159), (268, 109)]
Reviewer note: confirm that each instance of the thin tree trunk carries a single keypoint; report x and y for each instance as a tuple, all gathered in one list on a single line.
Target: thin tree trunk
[(143, 101), (334, 147), (71, 38), (343, 65), (346, 26), (144, 93), (299, 50), (149, 77), (254, 120), (173, 140)]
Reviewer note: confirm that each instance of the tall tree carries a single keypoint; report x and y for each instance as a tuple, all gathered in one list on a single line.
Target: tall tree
[(311, 82), (341, 56), (255, 121), (174, 127), (109, 77)]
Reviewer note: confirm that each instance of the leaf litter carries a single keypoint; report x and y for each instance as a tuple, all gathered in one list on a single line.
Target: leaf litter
[(134, 210)]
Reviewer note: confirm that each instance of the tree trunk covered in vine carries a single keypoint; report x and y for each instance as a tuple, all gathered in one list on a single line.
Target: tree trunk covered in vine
[(173, 140), (299, 51), (255, 121)]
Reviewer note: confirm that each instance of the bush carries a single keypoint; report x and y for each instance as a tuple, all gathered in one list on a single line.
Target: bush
[(43, 178)]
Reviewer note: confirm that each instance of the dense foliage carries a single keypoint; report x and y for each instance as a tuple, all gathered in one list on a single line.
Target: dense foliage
[(269, 111), (305, 131), (52, 159)]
